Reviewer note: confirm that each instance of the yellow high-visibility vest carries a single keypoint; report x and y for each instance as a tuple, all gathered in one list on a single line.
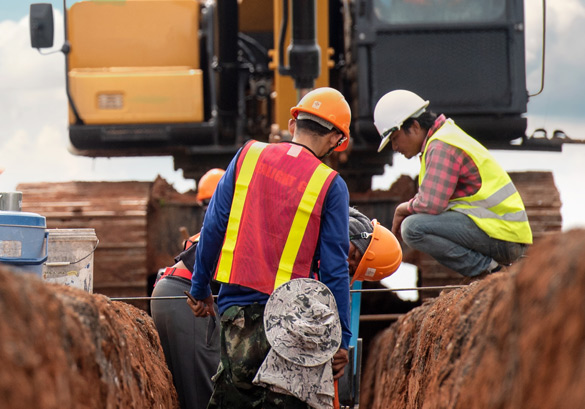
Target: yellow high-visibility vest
[(497, 207)]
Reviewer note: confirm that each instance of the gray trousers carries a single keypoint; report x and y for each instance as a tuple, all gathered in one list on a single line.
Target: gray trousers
[(190, 344), (455, 241)]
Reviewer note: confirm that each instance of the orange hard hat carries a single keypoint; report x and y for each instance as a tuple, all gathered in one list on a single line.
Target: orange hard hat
[(328, 104), (382, 257), (208, 183)]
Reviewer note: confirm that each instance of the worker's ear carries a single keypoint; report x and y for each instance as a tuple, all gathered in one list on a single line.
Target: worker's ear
[(413, 129), (292, 124), (340, 140), (417, 126)]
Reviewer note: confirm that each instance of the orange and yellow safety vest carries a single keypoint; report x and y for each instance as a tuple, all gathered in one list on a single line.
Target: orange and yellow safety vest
[(275, 217)]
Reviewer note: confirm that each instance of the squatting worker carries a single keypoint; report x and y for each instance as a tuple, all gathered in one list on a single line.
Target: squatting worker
[(277, 212), (467, 213)]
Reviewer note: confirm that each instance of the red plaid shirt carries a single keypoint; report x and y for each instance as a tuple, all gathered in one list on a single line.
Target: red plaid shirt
[(450, 173)]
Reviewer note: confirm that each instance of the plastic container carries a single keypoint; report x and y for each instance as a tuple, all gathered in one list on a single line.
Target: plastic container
[(70, 259), (23, 238)]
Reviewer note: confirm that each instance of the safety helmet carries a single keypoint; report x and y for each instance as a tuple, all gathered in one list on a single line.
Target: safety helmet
[(208, 183), (393, 109), (328, 104), (382, 257)]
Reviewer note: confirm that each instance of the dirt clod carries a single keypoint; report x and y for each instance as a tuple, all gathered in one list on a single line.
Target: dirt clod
[(512, 340), (63, 348)]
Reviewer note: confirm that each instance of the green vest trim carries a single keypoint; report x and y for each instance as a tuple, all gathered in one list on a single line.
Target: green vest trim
[(496, 207)]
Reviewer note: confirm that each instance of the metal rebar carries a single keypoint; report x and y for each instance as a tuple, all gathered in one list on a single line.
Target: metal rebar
[(380, 317), (364, 290), (431, 288)]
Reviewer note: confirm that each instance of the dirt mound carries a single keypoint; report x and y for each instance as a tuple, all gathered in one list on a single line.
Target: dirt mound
[(513, 340), (63, 348)]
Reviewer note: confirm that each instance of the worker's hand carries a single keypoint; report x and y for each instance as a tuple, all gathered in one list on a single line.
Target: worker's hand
[(202, 308), (400, 214), (340, 359)]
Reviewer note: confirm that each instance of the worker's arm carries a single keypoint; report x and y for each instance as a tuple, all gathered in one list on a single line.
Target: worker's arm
[(212, 234), (402, 212), (450, 173), (340, 360), (201, 308), (333, 250)]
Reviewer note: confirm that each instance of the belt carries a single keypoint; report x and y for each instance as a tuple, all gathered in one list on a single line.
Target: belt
[(180, 272)]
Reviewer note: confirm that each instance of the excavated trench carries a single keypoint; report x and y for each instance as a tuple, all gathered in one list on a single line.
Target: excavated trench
[(512, 340), (62, 348)]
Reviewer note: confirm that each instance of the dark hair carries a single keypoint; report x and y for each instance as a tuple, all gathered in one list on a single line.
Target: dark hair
[(426, 121), (315, 128)]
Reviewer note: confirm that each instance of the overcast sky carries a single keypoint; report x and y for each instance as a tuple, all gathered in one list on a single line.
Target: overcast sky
[(33, 110)]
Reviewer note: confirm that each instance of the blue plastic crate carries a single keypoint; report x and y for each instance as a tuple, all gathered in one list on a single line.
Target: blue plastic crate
[(23, 241)]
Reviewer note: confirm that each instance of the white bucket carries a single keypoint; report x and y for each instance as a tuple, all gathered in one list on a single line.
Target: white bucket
[(70, 259)]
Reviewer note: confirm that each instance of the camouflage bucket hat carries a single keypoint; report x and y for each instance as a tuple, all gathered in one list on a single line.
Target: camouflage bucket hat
[(301, 322)]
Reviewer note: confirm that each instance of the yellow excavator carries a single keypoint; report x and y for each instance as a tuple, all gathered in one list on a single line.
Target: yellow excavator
[(196, 79)]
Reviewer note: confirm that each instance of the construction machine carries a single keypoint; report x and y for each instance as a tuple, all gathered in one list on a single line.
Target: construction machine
[(196, 79)]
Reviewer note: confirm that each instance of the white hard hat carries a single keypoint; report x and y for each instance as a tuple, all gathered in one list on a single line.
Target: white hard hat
[(393, 109)]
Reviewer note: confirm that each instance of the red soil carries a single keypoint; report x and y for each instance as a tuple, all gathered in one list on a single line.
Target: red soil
[(512, 340), (63, 348)]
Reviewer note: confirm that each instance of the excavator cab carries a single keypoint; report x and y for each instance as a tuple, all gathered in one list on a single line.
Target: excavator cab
[(465, 56)]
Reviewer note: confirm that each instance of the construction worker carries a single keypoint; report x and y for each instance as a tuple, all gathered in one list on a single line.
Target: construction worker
[(374, 252), (207, 184), (277, 211), (190, 344), (467, 213), (302, 326), (383, 257)]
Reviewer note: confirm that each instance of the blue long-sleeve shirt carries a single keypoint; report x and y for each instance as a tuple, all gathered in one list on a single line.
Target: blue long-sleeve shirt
[(332, 250)]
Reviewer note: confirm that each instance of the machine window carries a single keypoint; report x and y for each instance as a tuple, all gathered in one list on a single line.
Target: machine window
[(438, 11)]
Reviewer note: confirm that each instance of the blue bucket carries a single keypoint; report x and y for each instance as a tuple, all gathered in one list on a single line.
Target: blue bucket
[(23, 241)]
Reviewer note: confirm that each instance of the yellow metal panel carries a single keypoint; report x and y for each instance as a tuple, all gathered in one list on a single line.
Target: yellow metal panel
[(134, 33), (137, 95), (286, 94)]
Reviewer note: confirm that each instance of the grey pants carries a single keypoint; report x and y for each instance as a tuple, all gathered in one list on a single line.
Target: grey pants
[(190, 344), (455, 241)]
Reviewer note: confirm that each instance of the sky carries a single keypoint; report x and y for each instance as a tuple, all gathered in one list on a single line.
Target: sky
[(33, 111)]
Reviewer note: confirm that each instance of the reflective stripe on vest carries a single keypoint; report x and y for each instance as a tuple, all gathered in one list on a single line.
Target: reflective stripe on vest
[(496, 207), (299, 224), (271, 236), (480, 207), (242, 183)]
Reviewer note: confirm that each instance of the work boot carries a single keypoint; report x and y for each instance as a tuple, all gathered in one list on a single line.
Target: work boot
[(482, 275)]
